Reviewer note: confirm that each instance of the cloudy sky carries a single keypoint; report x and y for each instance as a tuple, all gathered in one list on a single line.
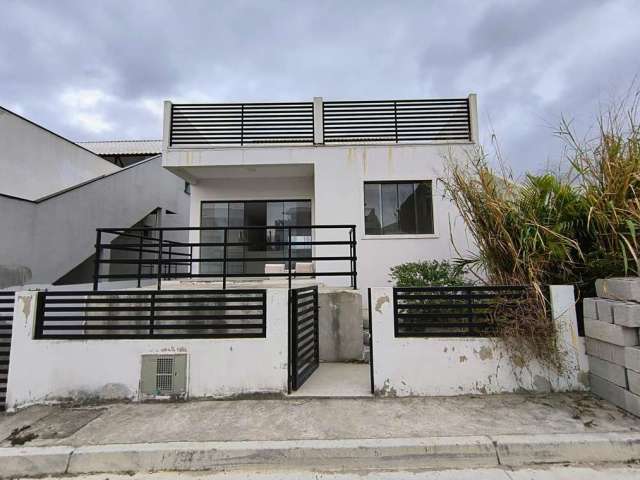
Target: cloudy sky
[(94, 70)]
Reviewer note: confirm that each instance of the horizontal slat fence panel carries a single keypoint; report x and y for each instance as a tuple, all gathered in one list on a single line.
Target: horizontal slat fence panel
[(398, 121), (151, 314), (241, 123), (304, 334), (450, 311), (7, 300)]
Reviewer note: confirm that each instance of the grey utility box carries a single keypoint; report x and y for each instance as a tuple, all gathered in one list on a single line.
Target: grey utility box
[(164, 375)]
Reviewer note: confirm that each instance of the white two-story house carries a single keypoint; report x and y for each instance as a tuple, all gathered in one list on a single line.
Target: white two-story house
[(329, 165)]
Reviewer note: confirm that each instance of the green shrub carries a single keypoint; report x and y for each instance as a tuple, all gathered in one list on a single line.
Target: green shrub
[(427, 274)]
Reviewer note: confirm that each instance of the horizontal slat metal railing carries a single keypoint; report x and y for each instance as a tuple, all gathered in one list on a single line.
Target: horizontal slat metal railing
[(398, 121), (450, 311), (241, 123), (176, 262), (7, 300), (128, 314)]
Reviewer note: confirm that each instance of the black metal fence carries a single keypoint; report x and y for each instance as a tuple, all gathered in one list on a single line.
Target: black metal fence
[(450, 311), (151, 314), (241, 123), (7, 300), (304, 351), (399, 121), (149, 253)]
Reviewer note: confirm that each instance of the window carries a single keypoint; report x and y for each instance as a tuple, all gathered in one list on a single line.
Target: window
[(261, 243), (397, 208)]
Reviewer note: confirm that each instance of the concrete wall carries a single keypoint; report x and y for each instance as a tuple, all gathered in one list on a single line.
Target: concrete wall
[(458, 366), (340, 325), (50, 237), (53, 370), (35, 162), (612, 328)]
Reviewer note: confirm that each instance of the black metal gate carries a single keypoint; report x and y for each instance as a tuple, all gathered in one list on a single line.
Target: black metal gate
[(6, 320), (304, 353)]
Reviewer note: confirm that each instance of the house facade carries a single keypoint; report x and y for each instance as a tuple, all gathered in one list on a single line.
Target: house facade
[(374, 165)]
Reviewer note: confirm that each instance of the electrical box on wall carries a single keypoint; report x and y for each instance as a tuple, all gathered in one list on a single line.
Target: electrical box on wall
[(164, 375)]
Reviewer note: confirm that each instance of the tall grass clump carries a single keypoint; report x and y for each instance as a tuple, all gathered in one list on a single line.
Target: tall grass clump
[(568, 228)]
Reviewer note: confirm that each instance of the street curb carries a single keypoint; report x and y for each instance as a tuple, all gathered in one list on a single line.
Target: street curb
[(514, 450), (334, 455)]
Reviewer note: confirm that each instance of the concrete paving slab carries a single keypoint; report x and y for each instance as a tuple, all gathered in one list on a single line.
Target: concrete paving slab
[(27, 417), (331, 418), (337, 380), (33, 461)]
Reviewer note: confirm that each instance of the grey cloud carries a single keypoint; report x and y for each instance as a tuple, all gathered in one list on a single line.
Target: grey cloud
[(522, 58)]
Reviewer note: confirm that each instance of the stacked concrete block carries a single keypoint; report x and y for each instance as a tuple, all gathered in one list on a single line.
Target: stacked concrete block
[(612, 326)]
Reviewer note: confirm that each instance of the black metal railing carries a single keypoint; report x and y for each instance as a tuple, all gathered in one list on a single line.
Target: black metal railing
[(398, 121), (451, 311), (224, 253), (7, 300), (241, 123), (147, 314)]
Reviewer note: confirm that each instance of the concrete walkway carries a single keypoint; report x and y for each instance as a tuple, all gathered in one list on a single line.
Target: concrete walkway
[(337, 380), (315, 419), (487, 431)]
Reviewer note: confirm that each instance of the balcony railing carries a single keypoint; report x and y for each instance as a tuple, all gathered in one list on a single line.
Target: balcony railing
[(222, 253), (320, 122)]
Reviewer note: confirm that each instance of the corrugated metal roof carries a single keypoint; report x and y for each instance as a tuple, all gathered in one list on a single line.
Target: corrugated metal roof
[(124, 147)]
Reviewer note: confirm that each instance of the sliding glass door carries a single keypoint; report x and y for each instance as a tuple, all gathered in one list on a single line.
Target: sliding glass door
[(254, 213)]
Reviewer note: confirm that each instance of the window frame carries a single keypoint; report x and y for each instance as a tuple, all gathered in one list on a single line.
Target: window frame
[(401, 236)]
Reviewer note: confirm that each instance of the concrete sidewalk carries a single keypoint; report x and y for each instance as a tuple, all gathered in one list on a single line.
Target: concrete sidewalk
[(324, 433)]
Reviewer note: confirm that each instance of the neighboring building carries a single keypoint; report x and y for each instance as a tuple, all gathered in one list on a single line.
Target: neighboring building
[(372, 164), (124, 152), (35, 162), (55, 193)]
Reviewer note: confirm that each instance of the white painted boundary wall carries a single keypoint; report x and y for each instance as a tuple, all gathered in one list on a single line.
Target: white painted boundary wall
[(458, 366), (53, 370)]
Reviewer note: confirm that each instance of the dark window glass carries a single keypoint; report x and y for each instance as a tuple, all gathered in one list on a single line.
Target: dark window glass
[(398, 208), (424, 207), (253, 213), (406, 208), (372, 209)]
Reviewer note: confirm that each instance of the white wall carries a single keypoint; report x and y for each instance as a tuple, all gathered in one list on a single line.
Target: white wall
[(458, 366), (52, 370), (339, 173), (35, 162), (50, 237)]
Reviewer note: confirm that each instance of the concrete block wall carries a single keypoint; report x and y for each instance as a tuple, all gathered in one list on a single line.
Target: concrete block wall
[(612, 329)]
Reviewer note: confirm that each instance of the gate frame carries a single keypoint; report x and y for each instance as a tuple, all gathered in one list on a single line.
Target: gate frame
[(292, 364)]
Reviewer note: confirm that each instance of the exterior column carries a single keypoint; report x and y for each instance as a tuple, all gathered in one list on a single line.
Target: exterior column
[(318, 121), (473, 118)]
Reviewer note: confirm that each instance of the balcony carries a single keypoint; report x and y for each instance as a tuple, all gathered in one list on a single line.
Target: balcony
[(220, 125)]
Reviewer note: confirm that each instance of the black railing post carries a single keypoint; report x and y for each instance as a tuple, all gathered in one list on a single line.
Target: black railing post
[(170, 263), (40, 303), (224, 259), (354, 260), (289, 257), (96, 267), (190, 261), (140, 259), (160, 259), (152, 313)]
